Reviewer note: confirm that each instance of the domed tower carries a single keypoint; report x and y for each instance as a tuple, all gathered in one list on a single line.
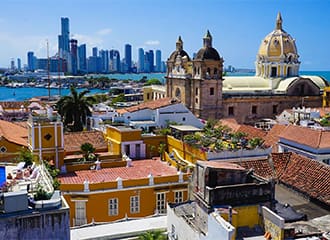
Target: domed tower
[(206, 84), (277, 56), (178, 69)]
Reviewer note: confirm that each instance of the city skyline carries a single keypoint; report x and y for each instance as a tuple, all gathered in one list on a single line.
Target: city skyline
[(25, 26)]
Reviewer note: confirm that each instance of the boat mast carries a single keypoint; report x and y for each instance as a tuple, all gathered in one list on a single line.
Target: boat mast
[(48, 65)]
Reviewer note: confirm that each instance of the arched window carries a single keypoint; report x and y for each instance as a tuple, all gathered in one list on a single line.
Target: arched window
[(215, 71), (178, 93)]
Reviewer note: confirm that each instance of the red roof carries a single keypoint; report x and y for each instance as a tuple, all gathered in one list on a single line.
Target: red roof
[(155, 104), (140, 169), (314, 138), (14, 133), (74, 140), (251, 131), (272, 137)]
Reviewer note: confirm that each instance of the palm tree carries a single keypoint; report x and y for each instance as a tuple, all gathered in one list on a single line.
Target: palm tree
[(74, 109)]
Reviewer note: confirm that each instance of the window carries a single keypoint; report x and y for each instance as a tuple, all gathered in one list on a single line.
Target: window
[(183, 119), (274, 72), (196, 91), (113, 207), (178, 196), (196, 100), (231, 111), (127, 149), (80, 213), (135, 204), (275, 109), (148, 96), (3, 149), (215, 71), (254, 109), (161, 202), (211, 91)]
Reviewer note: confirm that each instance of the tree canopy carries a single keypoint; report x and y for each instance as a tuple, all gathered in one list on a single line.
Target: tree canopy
[(74, 109)]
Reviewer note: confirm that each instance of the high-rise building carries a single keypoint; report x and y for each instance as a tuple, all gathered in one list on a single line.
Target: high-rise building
[(151, 60), (140, 67), (12, 64), (146, 62), (128, 57), (114, 61), (104, 55), (64, 38), (94, 51), (158, 61), (82, 61), (74, 56), (19, 64), (31, 61)]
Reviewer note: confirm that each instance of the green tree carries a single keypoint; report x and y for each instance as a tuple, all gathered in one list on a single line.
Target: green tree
[(87, 149), (153, 235), (25, 155), (74, 109), (153, 81)]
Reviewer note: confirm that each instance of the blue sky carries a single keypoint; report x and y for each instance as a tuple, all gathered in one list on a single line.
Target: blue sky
[(237, 26)]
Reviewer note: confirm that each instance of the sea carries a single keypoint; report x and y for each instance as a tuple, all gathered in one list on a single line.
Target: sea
[(25, 93)]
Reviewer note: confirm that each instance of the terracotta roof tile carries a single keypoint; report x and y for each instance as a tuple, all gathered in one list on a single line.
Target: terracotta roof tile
[(73, 141), (140, 169), (14, 133), (163, 102), (261, 167), (272, 137), (12, 105), (316, 138), (251, 131), (308, 176)]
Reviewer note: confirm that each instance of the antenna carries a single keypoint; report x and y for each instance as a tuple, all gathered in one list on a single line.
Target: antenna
[(48, 65)]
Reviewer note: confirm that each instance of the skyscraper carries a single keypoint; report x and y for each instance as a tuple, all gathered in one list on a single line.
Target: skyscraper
[(31, 62), (140, 67), (114, 61), (74, 56), (158, 61), (82, 62), (19, 64), (104, 55), (94, 51), (151, 60), (64, 38), (128, 57)]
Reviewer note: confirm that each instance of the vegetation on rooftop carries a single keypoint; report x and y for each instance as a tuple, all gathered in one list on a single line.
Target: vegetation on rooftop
[(24, 155), (153, 235), (216, 137), (87, 149)]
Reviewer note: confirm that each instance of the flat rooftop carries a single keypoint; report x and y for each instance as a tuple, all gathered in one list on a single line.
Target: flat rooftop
[(120, 230), (186, 128)]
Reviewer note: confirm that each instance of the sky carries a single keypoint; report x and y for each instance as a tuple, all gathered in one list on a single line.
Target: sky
[(237, 27)]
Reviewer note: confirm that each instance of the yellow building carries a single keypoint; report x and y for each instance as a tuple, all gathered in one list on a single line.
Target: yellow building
[(153, 92), (128, 189)]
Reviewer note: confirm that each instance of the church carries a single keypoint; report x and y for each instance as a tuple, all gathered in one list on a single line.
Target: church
[(200, 84)]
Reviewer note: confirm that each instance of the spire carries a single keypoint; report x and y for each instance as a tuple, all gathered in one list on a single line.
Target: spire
[(207, 39), (279, 21), (179, 44)]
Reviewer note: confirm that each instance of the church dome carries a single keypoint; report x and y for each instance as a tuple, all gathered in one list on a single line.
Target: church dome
[(179, 51), (207, 52), (278, 43)]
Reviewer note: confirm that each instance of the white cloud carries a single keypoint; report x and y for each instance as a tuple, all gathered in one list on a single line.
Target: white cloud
[(105, 31), (152, 42)]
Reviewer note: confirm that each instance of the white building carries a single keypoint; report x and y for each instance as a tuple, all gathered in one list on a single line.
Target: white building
[(157, 114)]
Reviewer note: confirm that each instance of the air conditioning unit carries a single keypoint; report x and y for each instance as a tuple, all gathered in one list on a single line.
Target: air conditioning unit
[(13, 202)]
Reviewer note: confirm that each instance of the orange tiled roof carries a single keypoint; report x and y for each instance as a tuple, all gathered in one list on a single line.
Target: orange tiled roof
[(261, 167), (140, 169), (306, 175), (14, 133), (324, 111), (272, 136), (12, 105), (73, 140), (307, 136), (21, 124), (163, 102), (251, 132)]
